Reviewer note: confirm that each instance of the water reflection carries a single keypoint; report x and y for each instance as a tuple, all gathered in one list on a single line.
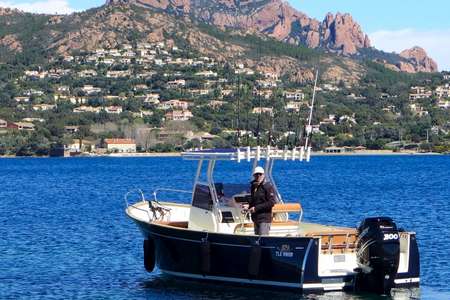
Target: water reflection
[(176, 288)]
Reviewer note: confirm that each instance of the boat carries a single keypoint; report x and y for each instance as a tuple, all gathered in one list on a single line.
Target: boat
[(212, 238)]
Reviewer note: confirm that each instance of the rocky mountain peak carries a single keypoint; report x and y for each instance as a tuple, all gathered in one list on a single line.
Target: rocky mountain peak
[(418, 57), (275, 18), (5, 11), (342, 33)]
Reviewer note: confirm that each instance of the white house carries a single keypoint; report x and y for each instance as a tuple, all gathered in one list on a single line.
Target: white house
[(90, 90), (174, 104), (442, 91), (22, 126), (261, 110), (293, 105), (419, 92), (178, 115), (206, 74), (176, 83), (43, 107), (114, 109), (296, 95), (120, 145)]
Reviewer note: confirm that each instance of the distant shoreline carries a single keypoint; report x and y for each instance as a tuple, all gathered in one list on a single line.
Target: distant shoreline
[(375, 153), (178, 154)]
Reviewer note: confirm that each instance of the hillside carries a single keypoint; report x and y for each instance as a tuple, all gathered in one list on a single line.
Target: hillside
[(112, 25), (29, 37), (173, 81), (276, 19)]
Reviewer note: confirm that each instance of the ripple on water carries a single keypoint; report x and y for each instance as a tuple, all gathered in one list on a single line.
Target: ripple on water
[(65, 235)]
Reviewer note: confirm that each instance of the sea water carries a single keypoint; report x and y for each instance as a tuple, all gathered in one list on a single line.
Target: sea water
[(64, 233)]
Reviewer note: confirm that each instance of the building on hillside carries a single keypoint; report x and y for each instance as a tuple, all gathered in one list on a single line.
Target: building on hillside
[(346, 118), (118, 74), (330, 87), (31, 120), (418, 110), (442, 91), (334, 149), (267, 84), (296, 95), (176, 83), (419, 92), (226, 92), (216, 104), (444, 104), (152, 98), (174, 104), (266, 94), (206, 74), (293, 105), (21, 126), (43, 107), (178, 115), (71, 129), (270, 75), (87, 109), (90, 90), (262, 110), (22, 99), (78, 145), (331, 120), (87, 73), (114, 109), (120, 145), (199, 92)]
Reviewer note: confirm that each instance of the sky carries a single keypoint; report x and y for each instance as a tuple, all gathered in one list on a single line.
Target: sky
[(392, 25)]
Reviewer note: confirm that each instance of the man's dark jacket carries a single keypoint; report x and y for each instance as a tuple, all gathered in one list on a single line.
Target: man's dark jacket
[(263, 199)]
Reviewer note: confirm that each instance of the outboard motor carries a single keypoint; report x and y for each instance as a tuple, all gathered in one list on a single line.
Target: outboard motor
[(378, 254)]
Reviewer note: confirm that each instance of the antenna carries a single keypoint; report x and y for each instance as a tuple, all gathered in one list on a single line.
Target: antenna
[(308, 128), (258, 128), (238, 121)]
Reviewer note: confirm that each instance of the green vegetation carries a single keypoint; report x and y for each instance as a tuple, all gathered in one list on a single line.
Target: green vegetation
[(86, 97)]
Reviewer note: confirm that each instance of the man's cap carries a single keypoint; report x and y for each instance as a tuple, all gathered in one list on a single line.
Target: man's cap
[(258, 170)]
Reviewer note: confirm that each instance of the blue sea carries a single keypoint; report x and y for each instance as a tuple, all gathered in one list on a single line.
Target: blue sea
[(64, 233)]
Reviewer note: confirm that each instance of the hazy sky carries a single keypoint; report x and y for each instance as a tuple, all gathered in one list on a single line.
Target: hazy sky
[(392, 25)]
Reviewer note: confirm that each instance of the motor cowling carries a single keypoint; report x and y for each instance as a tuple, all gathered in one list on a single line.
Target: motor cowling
[(378, 255)]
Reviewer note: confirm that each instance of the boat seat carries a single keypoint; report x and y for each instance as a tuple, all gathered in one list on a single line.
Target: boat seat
[(179, 224), (286, 208), (336, 241)]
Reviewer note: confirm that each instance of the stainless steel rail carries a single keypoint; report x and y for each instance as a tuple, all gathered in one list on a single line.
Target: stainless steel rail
[(139, 191), (155, 192)]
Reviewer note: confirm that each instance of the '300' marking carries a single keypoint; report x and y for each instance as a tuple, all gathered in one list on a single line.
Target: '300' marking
[(390, 236)]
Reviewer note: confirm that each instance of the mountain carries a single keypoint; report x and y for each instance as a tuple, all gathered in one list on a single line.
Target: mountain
[(419, 59), (268, 35), (275, 18), (34, 38)]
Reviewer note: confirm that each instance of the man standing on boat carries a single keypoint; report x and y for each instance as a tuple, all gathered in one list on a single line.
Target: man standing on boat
[(261, 203)]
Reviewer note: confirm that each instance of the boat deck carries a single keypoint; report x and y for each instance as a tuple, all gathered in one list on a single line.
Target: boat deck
[(333, 239)]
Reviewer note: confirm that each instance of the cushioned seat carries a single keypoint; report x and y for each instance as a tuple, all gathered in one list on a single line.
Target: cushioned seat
[(286, 207)]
